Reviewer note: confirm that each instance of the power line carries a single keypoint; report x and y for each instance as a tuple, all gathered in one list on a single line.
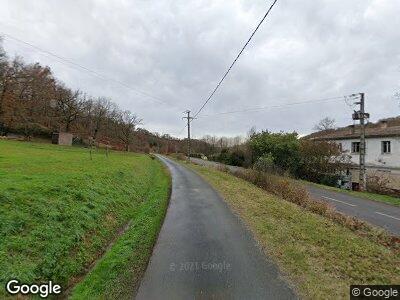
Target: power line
[(95, 73), (233, 63), (235, 60), (256, 109), (349, 100)]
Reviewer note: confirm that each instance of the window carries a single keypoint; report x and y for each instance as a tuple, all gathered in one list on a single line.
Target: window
[(386, 147), (355, 147)]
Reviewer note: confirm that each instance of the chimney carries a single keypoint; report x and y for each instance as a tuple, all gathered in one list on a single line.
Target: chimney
[(352, 129)]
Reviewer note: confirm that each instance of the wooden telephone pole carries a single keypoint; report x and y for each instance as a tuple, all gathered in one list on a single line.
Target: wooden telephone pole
[(362, 116), (189, 119)]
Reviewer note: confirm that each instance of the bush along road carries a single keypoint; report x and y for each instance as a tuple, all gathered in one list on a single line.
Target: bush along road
[(321, 252), (377, 213)]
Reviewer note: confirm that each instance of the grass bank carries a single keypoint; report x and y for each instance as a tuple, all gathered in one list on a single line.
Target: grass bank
[(59, 212), (366, 195), (322, 258)]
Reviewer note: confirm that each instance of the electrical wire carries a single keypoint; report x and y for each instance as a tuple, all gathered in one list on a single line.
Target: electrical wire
[(95, 73), (235, 60), (349, 100), (256, 109)]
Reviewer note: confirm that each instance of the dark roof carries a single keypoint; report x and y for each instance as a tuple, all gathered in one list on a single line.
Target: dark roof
[(383, 128)]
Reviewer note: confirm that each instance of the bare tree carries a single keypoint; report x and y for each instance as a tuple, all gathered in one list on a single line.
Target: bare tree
[(103, 108), (252, 131), (98, 113), (69, 105), (237, 140), (325, 124), (7, 82), (126, 126), (34, 103)]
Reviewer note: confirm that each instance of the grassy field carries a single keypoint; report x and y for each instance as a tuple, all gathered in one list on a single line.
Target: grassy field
[(59, 211), (367, 195), (321, 258)]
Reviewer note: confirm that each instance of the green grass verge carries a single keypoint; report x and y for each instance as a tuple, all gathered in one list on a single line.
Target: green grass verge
[(319, 256), (366, 195), (117, 274), (59, 210)]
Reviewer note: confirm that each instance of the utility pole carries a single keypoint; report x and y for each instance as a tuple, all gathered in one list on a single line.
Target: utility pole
[(189, 119), (362, 116)]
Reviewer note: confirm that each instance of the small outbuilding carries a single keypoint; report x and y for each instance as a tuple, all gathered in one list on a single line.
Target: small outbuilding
[(62, 138)]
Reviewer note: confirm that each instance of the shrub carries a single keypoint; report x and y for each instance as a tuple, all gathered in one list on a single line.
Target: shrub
[(178, 156), (290, 190), (78, 141), (316, 161), (237, 158), (283, 187), (329, 179), (33, 129), (233, 157), (321, 162), (284, 148), (265, 163), (223, 157), (222, 168), (378, 183)]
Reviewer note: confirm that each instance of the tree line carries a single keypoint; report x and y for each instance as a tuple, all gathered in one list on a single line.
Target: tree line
[(280, 153), (35, 103)]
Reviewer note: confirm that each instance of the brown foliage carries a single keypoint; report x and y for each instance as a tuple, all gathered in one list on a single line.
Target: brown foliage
[(294, 192), (34, 103), (378, 182), (321, 158), (178, 156)]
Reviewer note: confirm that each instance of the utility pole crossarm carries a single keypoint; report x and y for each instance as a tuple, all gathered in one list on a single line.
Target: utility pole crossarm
[(363, 183), (362, 116), (189, 119)]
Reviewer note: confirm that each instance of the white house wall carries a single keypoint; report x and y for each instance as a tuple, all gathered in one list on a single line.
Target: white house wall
[(374, 156)]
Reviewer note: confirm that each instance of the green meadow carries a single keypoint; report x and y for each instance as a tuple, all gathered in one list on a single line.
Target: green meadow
[(86, 224)]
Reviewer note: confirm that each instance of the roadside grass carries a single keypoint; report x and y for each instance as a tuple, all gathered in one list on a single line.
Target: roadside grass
[(367, 195), (118, 273), (59, 212), (321, 257)]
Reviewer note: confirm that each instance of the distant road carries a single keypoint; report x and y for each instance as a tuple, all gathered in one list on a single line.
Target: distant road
[(377, 213), (204, 252)]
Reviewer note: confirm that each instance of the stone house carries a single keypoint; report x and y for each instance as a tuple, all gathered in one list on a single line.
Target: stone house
[(382, 155)]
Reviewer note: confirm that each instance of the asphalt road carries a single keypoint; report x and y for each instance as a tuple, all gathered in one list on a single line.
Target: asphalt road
[(204, 251), (377, 213)]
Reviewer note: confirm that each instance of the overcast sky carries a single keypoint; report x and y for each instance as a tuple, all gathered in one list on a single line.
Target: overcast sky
[(177, 50)]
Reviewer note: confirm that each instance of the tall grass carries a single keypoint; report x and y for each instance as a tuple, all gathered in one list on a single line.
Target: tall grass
[(320, 257), (290, 190)]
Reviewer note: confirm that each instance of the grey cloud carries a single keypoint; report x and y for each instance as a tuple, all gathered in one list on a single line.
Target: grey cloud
[(178, 50)]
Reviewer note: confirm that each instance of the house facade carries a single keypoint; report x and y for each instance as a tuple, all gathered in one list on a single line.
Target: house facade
[(380, 152), (382, 155)]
